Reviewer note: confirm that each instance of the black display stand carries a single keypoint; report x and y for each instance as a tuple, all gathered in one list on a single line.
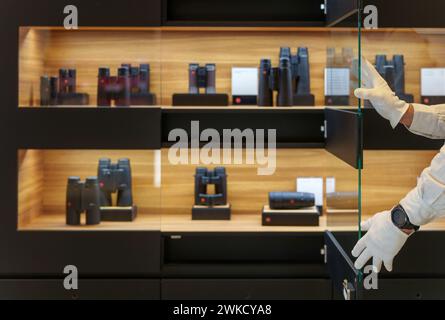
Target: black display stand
[(301, 217), (202, 99), (432, 100), (336, 100), (211, 213), (143, 99), (304, 100), (73, 99), (120, 214), (244, 100)]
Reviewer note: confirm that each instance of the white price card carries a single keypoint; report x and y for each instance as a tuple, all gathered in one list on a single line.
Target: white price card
[(336, 81), (313, 185), (433, 82), (244, 81)]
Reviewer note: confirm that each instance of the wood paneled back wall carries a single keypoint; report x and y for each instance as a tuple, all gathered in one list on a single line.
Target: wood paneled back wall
[(30, 185), (86, 51), (248, 191), (170, 51), (387, 178), (242, 49), (43, 176), (422, 49)]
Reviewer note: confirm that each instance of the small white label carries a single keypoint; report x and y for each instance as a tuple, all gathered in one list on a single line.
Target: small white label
[(244, 81), (330, 185), (313, 185), (336, 81), (433, 82)]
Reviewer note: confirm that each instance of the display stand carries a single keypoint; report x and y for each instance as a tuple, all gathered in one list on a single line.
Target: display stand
[(202, 99), (300, 217), (304, 100), (118, 213), (211, 213)]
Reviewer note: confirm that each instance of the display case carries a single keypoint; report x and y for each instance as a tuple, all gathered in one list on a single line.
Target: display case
[(252, 162), (68, 76)]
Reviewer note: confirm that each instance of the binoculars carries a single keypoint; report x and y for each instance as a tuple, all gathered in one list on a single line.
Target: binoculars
[(202, 77), (61, 90), (290, 79), (82, 196), (131, 86), (67, 80), (115, 177), (393, 71), (205, 177), (291, 200), (95, 193)]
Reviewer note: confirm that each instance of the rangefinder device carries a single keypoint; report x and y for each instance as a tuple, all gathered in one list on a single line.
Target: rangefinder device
[(82, 196), (202, 77), (291, 200), (115, 177), (204, 178)]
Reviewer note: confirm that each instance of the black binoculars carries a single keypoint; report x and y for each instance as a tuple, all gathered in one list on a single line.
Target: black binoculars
[(115, 177), (205, 177), (82, 196), (393, 71), (131, 86), (61, 90), (202, 77), (290, 79)]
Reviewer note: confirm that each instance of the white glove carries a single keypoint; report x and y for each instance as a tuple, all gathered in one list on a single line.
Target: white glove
[(382, 242), (376, 90)]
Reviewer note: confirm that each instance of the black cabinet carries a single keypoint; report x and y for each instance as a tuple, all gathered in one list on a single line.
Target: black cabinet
[(95, 253), (247, 12), (406, 13), (119, 289), (419, 272), (97, 13), (243, 255), (89, 128), (246, 289)]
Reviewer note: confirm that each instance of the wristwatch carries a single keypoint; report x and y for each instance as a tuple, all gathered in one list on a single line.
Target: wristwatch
[(401, 219)]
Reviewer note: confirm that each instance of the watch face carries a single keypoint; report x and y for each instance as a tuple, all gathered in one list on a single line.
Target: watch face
[(399, 218)]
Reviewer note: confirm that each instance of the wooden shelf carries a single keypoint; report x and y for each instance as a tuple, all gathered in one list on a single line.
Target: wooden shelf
[(86, 106), (238, 223), (56, 222), (184, 223), (188, 28)]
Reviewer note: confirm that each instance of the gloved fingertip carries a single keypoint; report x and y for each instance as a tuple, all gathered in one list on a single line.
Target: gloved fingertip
[(388, 265), (358, 265), (354, 253), (358, 93)]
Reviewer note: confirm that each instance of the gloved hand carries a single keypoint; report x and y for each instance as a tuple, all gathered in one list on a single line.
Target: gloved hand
[(382, 242), (376, 90)]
